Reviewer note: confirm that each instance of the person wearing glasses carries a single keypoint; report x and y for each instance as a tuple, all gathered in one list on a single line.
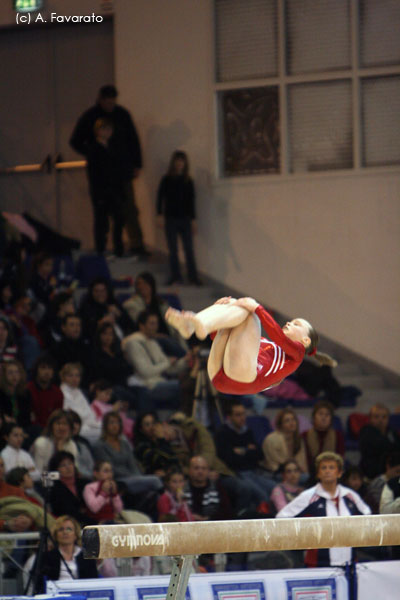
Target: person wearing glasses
[(66, 560)]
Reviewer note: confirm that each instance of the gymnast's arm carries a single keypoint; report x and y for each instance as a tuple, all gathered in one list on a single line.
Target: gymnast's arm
[(275, 334)]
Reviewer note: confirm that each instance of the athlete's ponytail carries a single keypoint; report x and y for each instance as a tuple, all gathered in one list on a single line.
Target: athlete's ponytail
[(325, 359), (322, 358)]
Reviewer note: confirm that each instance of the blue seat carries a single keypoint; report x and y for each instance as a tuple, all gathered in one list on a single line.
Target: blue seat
[(260, 426), (173, 300), (394, 422), (91, 266), (337, 423), (64, 269)]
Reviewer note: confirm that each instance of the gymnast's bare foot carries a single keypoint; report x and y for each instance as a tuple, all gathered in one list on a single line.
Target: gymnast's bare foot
[(182, 321)]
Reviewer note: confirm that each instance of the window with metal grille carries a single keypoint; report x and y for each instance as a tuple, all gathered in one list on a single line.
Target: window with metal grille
[(307, 85)]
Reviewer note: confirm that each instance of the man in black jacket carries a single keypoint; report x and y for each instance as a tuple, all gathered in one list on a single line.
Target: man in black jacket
[(237, 447), (125, 147), (72, 348), (377, 439)]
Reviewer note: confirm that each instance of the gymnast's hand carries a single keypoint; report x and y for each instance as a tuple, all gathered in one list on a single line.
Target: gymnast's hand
[(248, 303), (224, 300)]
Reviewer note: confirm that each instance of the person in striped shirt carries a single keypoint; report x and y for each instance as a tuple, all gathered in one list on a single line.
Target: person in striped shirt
[(241, 361)]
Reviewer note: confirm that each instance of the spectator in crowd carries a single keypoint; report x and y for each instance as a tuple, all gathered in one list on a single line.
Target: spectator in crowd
[(8, 349), (61, 305), (315, 378), (285, 442), (152, 449), (74, 399), (177, 215), (125, 146), (289, 488), (26, 333), (377, 439), (322, 437), (105, 188), (109, 363), (14, 501), (13, 455), (353, 478), (189, 438), (238, 449), (46, 396), (42, 284), (390, 504), (327, 498), (147, 298), (7, 294), (101, 495), (115, 449), (375, 487), (21, 477), (15, 403), (99, 306), (171, 504), (72, 348), (84, 460), (151, 365), (66, 560), (67, 491), (56, 436), (207, 500), (103, 403)]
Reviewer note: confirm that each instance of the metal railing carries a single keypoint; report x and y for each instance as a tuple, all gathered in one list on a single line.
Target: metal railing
[(8, 543)]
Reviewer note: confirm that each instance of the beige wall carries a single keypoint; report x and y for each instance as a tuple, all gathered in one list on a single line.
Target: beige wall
[(326, 247)]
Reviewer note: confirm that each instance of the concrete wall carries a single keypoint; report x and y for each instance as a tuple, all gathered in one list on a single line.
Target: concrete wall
[(322, 246)]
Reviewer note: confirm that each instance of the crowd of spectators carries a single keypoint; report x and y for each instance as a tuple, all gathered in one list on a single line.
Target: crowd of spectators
[(82, 378)]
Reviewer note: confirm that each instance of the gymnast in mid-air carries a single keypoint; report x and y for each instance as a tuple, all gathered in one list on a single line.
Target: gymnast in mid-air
[(241, 361)]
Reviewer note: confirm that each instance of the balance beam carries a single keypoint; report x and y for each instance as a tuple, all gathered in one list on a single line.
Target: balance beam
[(211, 537)]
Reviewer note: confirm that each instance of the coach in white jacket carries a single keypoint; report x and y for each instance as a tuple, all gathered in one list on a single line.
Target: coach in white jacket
[(327, 499)]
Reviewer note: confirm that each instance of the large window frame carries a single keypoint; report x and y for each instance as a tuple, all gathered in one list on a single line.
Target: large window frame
[(355, 74)]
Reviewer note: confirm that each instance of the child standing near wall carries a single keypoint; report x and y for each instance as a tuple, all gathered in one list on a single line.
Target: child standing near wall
[(176, 214)]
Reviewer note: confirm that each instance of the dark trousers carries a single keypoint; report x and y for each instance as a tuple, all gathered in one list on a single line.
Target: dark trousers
[(106, 206), (131, 216), (180, 227)]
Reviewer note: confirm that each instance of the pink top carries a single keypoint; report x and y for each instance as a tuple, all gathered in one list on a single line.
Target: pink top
[(278, 497), (168, 505), (102, 408), (96, 499)]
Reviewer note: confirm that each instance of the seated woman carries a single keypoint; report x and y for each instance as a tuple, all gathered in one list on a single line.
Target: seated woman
[(66, 493), (15, 399), (284, 443), (66, 560), (103, 402), (8, 349), (322, 437), (99, 306), (240, 360), (289, 488), (56, 436), (75, 399), (152, 449), (114, 448), (108, 362), (146, 298)]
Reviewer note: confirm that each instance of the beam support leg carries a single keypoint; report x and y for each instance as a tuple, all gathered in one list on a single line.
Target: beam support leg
[(180, 577)]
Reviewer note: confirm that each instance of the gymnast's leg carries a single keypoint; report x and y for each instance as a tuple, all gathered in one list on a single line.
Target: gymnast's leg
[(222, 315), (241, 350)]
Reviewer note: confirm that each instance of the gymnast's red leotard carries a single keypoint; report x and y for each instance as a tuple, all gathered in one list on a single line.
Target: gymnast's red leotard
[(277, 358)]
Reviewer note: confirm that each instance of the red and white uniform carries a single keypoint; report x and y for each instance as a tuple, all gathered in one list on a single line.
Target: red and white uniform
[(278, 357)]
